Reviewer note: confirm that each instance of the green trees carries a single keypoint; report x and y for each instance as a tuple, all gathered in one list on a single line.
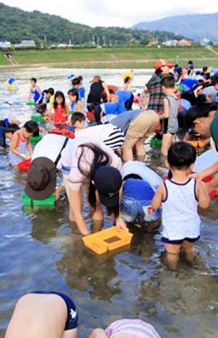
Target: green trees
[(17, 25)]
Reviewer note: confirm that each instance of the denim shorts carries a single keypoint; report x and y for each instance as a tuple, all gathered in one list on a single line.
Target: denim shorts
[(131, 209)]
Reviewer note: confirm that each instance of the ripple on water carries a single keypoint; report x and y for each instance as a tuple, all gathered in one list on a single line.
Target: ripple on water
[(41, 250)]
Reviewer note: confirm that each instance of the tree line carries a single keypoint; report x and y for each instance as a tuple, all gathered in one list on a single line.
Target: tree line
[(17, 25)]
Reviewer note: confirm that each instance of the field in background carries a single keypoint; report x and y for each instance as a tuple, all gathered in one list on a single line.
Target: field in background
[(115, 57), (3, 60)]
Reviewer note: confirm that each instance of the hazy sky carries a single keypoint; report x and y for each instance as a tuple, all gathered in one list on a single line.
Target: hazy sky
[(115, 12)]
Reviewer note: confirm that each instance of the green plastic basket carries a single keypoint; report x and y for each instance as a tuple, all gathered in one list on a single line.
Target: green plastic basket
[(37, 118), (35, 139), (31, 103), (49, 201), (156, 142)]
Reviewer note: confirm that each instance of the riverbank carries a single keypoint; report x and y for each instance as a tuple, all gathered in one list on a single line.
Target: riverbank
[(111, 58)]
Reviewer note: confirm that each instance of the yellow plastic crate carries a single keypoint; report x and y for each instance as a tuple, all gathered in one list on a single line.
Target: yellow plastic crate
[(107, 240)]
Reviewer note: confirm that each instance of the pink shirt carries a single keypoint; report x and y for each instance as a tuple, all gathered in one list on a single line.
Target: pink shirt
[(134, 328), (71, 153)]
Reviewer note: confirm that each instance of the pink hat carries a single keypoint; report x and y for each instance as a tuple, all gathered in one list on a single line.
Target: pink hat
[(160, 63)]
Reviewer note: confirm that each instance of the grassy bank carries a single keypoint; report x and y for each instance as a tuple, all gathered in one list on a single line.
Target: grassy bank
[(114, 57), (3, 60)]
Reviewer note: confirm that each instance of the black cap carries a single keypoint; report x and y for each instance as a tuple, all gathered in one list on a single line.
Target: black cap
[(108, 182)]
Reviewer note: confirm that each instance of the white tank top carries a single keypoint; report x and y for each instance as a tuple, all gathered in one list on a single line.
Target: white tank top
[(22, 147), (180, 211)]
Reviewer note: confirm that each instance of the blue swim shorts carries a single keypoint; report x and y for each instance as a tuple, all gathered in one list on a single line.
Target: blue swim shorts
[(72, 313)]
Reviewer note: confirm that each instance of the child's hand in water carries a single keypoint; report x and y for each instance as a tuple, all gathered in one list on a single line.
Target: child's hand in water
[(120, 223), (28, 157)]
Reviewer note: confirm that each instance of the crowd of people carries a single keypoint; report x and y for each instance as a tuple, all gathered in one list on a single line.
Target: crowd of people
[(97, 142)]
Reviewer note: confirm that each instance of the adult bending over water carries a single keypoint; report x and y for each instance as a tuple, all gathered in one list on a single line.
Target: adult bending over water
[(203, 119), (88, 160), (43, 314)]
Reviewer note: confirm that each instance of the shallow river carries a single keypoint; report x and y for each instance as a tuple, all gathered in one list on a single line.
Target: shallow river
[(40, 250)]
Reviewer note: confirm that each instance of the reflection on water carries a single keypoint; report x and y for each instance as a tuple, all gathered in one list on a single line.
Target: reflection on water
[(40, 250)]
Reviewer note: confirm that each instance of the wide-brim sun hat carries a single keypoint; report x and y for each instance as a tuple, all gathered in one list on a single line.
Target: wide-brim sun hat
[(41, 178), (96, 78)]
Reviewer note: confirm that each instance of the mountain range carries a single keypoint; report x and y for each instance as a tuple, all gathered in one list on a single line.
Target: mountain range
[(194, 26), (17, 25)]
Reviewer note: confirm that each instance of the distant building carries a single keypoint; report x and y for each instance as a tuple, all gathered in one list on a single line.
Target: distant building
[(152, 43), (205, 42), (28, 43), (170, 43), (184, 43), (5, 44), (25, 44)]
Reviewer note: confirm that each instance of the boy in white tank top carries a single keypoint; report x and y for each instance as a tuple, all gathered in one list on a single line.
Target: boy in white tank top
[(180, 197)]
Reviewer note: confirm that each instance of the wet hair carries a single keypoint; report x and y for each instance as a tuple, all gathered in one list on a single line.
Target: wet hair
[(132, 176), (41, 109), (59, 94), (76, 81), (11, 128), (197, 111), (100, 159), (168, 81), (50, 91), (74, 92), (158, 71), (90, 107), (32, 127), (214, 80), (127, 79), (111, 91), (33, 79), (181, 156), (2, 124), (179, 70), (77, 116)]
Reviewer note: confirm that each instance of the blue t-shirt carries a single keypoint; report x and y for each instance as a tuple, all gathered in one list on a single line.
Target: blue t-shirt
[(123, 120), (81, 92), (113, 108), (72, 105), (6, 122), (138, 189), (189, 82), (36, 95), (123, 95)]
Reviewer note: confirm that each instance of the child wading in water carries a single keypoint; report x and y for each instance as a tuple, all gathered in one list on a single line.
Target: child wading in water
[(21, 148), (180, 197), (61, 110), (170, 115)]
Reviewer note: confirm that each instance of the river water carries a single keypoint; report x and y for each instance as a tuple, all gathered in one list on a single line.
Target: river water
[(40, 250)]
